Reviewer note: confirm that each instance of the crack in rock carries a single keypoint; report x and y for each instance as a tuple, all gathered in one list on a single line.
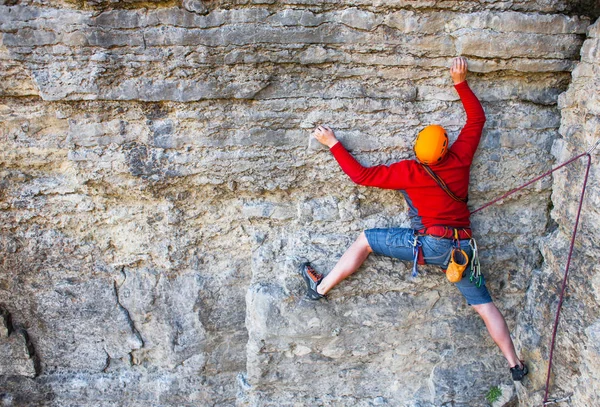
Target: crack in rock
[(9, 342), (130, 321)]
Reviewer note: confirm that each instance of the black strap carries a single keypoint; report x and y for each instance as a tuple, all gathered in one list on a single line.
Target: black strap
[(443, 185)]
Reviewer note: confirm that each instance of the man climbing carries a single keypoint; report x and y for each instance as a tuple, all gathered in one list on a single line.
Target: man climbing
[(435, 187)]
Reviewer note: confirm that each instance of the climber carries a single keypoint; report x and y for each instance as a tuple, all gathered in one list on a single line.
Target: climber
[(435, 187)]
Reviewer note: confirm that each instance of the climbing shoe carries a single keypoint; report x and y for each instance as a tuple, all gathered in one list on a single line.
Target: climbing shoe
[(519, 372), (312, 280)]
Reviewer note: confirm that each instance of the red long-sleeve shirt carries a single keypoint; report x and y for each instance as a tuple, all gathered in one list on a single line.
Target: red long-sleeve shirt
[(429, 205)]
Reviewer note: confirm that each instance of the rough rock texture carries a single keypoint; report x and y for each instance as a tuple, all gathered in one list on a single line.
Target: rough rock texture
[(159, 189), (577, 352), (13, 347)]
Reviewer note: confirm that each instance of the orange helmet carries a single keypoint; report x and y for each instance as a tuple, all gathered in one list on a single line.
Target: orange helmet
[(431, 144)]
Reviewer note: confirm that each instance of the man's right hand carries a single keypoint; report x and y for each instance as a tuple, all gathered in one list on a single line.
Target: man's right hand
[(325, 136), (458, 70)]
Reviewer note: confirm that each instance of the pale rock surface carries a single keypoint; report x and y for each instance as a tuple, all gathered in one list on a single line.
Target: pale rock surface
[(577, 354), (159, 189)]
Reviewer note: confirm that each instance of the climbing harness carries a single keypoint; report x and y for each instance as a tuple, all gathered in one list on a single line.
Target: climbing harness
[(564, 284), (446, 232), (459, 259)]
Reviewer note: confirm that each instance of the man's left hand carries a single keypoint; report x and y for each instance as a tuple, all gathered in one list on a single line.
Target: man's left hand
[(325, 136)]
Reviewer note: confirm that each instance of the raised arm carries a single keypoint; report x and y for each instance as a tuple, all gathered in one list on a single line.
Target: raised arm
[(393, 177), (470, 135)]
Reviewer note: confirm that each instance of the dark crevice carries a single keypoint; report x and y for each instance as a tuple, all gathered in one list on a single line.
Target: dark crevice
[(588, 8), (37, 364), (132, 359), (130, 321), (101, 6), (17, 329), (551, 224), (107, 365)]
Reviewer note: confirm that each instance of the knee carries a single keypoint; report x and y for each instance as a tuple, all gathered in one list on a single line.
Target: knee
[(362, 239), (485, 309)]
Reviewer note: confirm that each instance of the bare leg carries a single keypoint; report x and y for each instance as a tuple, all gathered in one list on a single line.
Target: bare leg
[(352, 259), (496, 326)]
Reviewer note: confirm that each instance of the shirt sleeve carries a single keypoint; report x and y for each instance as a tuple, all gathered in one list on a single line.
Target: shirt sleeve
[(470, 135), (395, 176)]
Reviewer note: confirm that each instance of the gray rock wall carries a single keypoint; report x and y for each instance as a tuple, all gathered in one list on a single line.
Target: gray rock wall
[(575, 363), (159, 188)]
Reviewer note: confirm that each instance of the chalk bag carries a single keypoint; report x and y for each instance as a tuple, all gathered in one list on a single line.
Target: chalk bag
[(458, 263)]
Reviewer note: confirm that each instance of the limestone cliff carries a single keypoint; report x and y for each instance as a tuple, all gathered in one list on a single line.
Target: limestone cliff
[(576, 358), (159, 188)]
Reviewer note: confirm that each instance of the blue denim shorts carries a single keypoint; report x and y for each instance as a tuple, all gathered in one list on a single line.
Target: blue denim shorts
[(398, 243)]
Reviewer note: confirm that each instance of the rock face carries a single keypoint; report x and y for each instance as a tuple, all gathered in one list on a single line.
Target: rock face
[(577, 353), (159, 189), (17, 361)]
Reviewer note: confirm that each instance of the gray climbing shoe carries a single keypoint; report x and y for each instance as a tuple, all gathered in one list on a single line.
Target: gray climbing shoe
[(312, 280)]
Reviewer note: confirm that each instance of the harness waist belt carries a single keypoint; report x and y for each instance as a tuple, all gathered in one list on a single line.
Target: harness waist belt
[(446, 232)]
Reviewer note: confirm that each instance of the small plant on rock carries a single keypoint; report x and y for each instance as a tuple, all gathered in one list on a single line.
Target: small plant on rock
[(494, 394)]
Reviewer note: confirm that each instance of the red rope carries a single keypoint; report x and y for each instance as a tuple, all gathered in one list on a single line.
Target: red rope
[(564, 284), (529, 183)]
